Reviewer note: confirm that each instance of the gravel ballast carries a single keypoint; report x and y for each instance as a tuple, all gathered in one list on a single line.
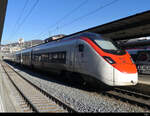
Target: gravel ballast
[(81, 100)]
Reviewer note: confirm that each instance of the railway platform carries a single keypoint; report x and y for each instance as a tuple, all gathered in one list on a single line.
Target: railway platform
[(1, 105), (7, 101)]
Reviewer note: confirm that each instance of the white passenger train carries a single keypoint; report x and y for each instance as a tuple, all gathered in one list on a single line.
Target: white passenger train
[(94, 57)]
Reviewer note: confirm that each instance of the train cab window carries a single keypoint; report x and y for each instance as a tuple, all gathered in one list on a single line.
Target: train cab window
[(81, 47), (106, 44)]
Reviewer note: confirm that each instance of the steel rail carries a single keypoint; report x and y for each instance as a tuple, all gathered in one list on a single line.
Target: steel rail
[(56, 100), (21, 93), (130, 97)]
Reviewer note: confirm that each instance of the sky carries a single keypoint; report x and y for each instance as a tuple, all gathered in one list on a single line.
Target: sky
[(40, 19)]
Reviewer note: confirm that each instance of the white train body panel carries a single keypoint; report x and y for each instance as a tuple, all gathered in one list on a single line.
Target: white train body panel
[(125, 78), (94, 65)]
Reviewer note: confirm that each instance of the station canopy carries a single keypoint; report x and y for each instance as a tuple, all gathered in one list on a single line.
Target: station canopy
[(134, 26), (3, 6)]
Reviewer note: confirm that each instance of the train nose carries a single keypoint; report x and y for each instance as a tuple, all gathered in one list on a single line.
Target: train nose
[(126, 68), (124, 78)]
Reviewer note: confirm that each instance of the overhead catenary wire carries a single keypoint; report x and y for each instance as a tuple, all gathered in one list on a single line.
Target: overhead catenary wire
[(26, 17), (19, 18), (64, 17), (90, 13), (68, 14), (71, 12)]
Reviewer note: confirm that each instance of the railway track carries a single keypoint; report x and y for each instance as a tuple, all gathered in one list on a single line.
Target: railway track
[(34, 99), (131, 97)]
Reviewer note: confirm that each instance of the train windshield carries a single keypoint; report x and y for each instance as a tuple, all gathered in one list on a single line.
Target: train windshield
[(105, 44)]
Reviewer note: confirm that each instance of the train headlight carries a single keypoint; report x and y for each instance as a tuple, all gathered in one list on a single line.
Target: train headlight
[(109, 60)]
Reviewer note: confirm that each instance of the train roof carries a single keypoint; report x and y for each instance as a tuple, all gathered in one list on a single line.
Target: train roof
[(55, 37), (50, 41)]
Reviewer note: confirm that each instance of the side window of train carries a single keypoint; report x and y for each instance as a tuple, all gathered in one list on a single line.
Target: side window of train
[(50, 57), (81, 47), (56, 57)]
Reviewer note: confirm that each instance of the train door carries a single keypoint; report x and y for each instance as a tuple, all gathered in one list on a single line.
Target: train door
[(71, 59), (80, 57), (32, 59)]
